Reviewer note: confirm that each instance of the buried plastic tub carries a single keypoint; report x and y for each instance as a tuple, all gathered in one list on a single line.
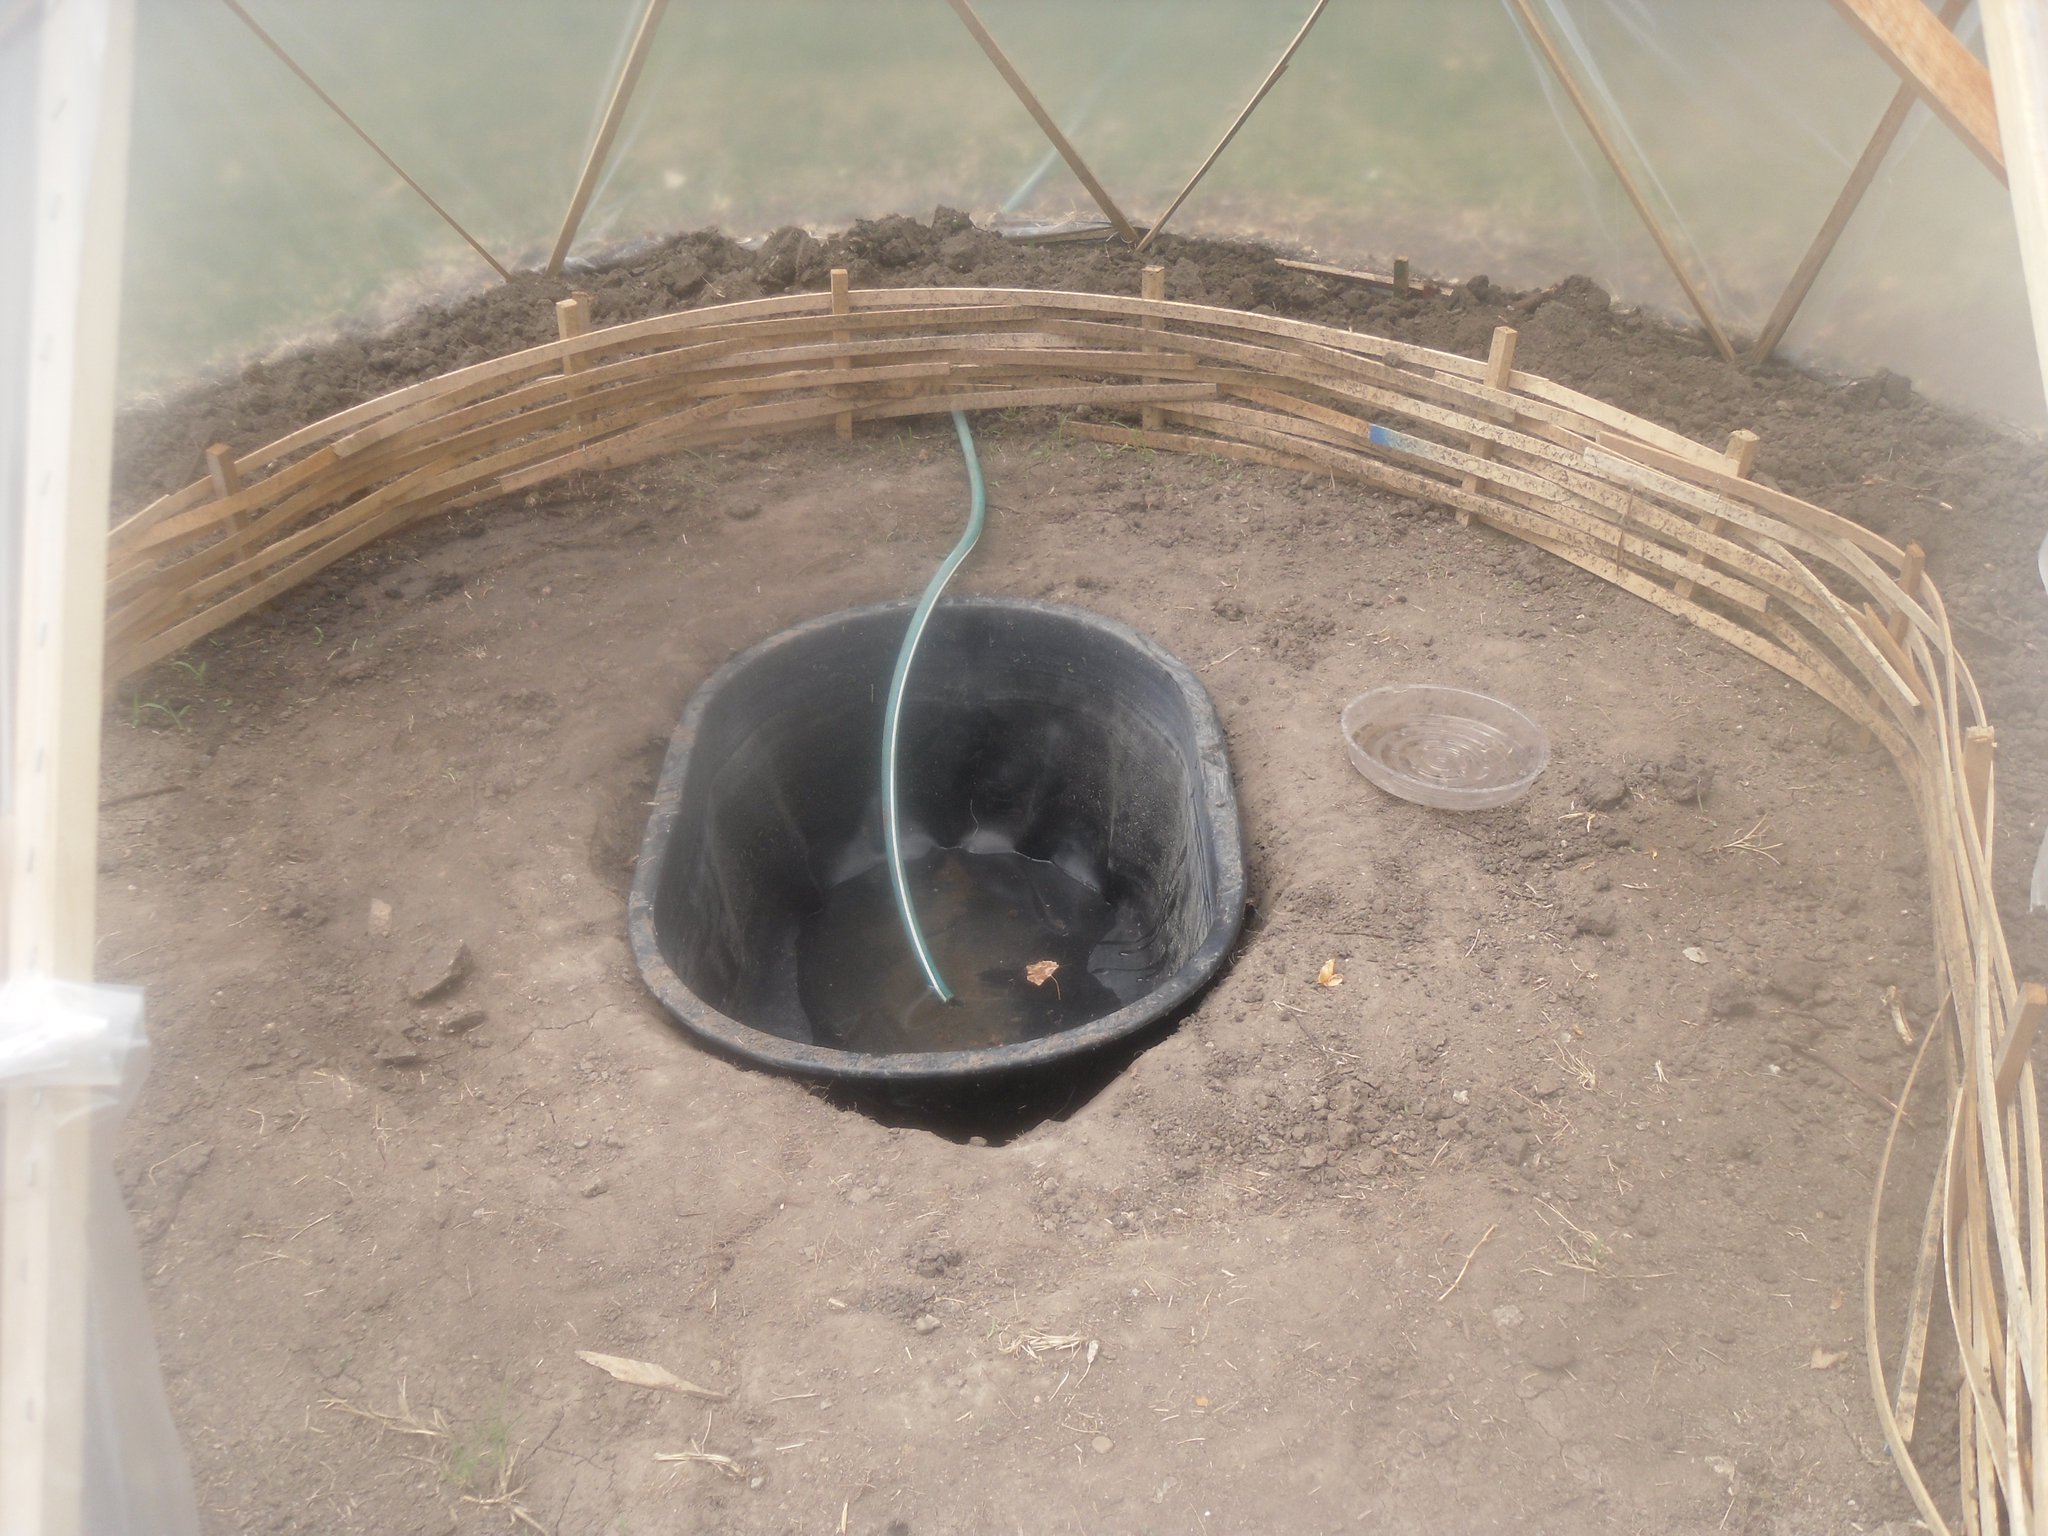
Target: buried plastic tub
[(1072, 846)]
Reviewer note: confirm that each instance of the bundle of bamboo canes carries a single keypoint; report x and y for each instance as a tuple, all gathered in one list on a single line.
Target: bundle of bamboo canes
[(1819, 597)]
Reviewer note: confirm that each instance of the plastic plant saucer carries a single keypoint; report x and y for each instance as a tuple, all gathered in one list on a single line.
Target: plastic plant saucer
[(1447, 747)]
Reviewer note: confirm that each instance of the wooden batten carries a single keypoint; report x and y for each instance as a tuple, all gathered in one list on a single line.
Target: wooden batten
[(572, 319), (842, 424), (2018, 1043), (1500, 368), (1741, 452), (1152, 287), (220, 469)]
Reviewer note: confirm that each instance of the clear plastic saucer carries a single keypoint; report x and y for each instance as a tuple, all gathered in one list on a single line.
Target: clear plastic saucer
[(1447, 747)]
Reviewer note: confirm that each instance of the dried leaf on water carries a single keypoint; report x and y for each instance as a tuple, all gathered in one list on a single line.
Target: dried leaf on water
[(1039, 972), (644, 1373), (1329, 975)]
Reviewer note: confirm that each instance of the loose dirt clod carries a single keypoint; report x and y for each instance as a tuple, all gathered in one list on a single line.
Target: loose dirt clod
[(440, 968)]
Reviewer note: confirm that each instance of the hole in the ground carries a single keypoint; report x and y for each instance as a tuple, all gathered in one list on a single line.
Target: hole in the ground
[(1074, 858), (996, 1111)]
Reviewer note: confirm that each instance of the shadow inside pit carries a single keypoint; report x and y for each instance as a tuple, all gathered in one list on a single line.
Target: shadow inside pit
[(993, 1112), (996, 1112)]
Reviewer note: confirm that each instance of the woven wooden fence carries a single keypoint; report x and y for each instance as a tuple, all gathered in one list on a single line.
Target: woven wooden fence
[(1819, 597)]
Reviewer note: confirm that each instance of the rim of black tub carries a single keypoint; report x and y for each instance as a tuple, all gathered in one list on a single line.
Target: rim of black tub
[(731, 1037)]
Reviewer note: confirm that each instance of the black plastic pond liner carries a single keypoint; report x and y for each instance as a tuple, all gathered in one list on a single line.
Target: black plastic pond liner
[(1055, 764)]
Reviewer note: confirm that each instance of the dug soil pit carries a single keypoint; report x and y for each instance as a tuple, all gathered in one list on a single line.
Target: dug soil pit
[(1542, 1208)]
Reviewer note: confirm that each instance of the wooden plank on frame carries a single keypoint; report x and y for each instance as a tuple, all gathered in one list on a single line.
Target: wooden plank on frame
[(1927, 56)]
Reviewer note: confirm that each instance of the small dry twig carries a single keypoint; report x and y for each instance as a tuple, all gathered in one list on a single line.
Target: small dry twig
[(1575, 1063), (1898, 1013), (1857, 1083), (1445, 1294), (1752, 841), (1036, 1345), (724, 1464), (436, 1431), (1589, 1255)]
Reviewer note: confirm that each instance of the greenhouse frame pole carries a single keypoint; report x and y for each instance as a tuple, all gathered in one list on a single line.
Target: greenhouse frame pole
[(82, 109), (1272, 78), (1043, 118), (1620, 168), (1887, 132), (363, 133), (607, 132)]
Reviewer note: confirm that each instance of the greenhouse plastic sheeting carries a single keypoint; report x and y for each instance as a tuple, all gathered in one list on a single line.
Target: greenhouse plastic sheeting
[(1404, 127), (17, 187), (87, 1040)]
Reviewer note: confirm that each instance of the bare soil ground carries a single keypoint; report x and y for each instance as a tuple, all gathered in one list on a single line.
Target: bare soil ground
[(1549, 1218)]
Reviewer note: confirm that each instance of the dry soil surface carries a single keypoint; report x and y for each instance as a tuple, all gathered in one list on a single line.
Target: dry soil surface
[(1548, 1218)]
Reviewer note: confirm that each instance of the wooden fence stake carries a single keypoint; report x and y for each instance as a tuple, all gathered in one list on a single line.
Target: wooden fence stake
[(842, 424), (2019, 1041), (220, 468), (1741, 452), (1152, 285), (1500, 368), (1400, 274), (572, 319), (227, 480)]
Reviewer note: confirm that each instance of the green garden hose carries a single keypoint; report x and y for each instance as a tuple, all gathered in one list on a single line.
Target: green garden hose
[(892, 715)]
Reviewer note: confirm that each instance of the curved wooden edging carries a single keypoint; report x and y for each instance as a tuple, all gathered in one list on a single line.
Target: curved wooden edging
[(1822, 599)]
